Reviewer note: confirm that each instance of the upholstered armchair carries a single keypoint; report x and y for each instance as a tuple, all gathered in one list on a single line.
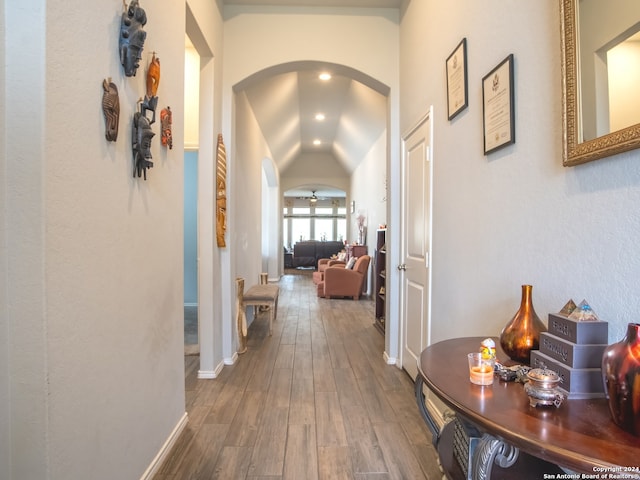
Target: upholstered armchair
[(323, 264), (344, 282)]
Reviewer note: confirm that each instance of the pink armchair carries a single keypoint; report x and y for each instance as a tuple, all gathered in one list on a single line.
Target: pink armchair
[(342, 282), (323, 264)]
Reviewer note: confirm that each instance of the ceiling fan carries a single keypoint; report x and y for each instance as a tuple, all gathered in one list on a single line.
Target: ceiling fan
[(313, 198)]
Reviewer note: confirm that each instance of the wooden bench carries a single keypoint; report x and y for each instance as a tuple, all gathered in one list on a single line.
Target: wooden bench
[(257, 295)]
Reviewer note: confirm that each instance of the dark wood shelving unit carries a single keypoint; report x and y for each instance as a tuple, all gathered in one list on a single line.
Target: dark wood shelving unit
[(380, 279)]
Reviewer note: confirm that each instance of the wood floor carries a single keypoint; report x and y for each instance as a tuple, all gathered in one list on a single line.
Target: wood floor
[(314, 401)]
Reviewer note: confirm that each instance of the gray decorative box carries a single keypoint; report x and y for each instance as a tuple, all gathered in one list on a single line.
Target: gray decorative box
[(583, 333), (577, 383), (571, 354)]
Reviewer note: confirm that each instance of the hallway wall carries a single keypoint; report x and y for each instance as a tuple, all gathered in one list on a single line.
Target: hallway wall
[(516, 216), (5, 414), (94, 256), (245, 225)]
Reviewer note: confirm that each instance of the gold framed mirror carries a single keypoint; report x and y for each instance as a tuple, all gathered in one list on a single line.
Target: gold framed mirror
[(601, 142)]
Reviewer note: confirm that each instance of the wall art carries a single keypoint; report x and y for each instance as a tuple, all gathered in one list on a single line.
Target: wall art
[(110, 109), (457, 89), (141, 145), (132, 37), (166, 119), (498, 107), (221, 192), (150, 101)]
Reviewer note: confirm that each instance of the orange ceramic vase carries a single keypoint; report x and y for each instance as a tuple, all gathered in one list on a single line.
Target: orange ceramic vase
[(522, 333)]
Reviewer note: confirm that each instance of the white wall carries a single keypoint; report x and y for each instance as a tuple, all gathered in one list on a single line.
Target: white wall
[(5, 405), (516, 216), (94, 305), (315, 168), (191, 97), (246, 190), (368, 190)]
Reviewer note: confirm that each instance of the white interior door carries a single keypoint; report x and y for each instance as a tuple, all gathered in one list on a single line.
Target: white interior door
[(415, 243)]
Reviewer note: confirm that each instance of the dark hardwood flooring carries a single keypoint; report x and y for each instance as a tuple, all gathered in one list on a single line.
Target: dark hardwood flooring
[(314, 401)]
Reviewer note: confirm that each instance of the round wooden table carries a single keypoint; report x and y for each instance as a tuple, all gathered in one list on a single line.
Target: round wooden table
[(579, 435)]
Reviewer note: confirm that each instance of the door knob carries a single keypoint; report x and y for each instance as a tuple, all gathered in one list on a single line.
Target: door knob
[(402, 266)]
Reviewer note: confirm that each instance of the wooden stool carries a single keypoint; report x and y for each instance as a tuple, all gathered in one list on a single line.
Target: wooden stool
[(264, 279), (259, 295), (241, 317)]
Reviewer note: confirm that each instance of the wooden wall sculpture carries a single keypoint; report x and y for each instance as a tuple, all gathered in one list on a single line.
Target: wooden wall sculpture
[(141, 145), (221, 192), (150, 101), (110, 109), (166, 119), (132, 37)]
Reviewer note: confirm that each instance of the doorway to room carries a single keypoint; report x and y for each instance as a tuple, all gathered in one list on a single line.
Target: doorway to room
[(191, 141)]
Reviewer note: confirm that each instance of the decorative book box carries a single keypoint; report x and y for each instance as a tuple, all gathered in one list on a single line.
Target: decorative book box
[(573, 349)]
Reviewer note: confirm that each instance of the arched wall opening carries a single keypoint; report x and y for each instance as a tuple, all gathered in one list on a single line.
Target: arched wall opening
[(272, 254)]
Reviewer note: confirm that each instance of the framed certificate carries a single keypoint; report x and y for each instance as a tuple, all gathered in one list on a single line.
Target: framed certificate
[(498, 107), (457, 99)]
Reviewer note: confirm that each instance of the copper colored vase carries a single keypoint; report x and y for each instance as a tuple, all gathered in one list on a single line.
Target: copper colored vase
[(621, 375), (522, 333)]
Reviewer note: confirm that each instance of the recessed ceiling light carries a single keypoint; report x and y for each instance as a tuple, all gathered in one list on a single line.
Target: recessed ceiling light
[(320, 116), (317, 142), (325, 76)]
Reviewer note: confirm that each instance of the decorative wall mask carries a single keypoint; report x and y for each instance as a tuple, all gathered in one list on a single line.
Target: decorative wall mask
[(153, 76), (132, 37), (141, 145), (166, 119), (153, 79), (221, 192), (111, 109)]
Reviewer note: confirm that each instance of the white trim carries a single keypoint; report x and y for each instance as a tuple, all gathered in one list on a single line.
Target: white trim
[(156, 463), (440, 413), (232, 360), (211, 373), (389, 360), (190, 304), (191, 147)]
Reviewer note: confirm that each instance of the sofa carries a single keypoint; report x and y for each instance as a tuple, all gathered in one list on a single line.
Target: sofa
[(307, 253)]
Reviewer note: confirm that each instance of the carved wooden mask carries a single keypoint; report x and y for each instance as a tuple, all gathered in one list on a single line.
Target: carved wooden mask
[(221, 192)]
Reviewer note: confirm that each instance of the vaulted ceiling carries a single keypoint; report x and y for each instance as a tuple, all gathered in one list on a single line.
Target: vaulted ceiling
[(286, 99), (320, 3), (286, 104)]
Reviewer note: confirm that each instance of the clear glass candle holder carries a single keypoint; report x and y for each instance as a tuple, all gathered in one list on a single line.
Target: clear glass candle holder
[(480, 369)]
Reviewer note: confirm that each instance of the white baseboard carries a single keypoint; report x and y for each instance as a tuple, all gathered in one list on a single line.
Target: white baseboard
[(211, 373), (232, 360), (389, 360), (155, 465), (440, 413)]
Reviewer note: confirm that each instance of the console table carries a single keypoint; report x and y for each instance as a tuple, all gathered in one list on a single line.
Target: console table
[(579, 435)]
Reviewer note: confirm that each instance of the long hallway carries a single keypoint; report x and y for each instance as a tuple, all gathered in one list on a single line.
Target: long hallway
[(314, 401)]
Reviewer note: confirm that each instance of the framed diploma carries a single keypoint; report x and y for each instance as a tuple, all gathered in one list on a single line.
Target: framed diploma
[(498, 110), (457, 99)]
